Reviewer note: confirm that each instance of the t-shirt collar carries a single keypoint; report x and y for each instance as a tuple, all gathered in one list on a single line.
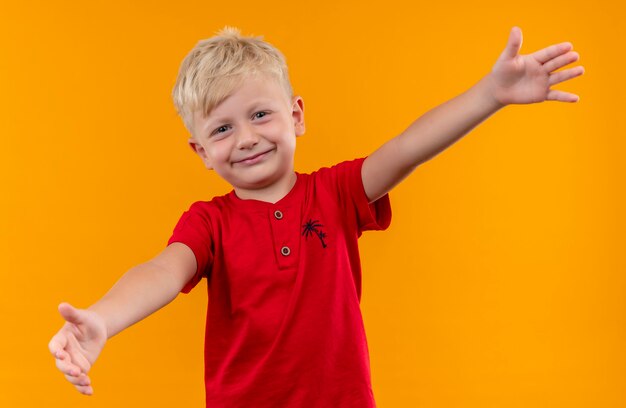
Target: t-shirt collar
[(291, 196)]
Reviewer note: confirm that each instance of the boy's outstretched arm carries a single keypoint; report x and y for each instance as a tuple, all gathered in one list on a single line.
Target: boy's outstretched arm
[(141, 291), (514, 79)]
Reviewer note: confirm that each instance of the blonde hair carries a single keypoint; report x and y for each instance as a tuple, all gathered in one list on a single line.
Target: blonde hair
[(217, 65)]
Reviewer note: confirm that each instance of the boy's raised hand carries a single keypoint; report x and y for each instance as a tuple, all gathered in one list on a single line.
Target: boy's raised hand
[(77, 345), (522, 79)]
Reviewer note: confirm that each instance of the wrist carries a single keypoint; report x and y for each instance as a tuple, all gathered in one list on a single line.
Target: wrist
[(486, 91), (100, 320)]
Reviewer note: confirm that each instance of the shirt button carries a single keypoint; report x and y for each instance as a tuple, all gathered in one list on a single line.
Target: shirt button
[(278, 215), (285, 250)]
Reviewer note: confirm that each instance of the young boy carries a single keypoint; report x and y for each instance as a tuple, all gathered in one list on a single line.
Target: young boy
[(284, 326)]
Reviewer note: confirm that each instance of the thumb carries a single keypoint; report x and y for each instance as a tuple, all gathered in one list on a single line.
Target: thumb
[(71, 314), (514, 43)]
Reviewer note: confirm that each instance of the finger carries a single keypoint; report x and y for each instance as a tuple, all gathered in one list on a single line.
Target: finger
[(561, 61), (71, 314), (72, 365), (81, 380), (564, 75), (77, 354), (87, 390), (554, 95), (514, 44), (66, 366), (553, 51), (57, 343)]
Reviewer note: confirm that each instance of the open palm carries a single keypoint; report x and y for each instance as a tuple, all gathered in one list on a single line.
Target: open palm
[(522, 79), (77, 345)]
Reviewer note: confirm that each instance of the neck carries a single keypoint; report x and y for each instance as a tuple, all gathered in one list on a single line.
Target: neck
[(272, 193)]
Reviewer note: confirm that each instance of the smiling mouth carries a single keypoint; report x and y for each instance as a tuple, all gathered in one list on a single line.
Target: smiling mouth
[(254, 159)]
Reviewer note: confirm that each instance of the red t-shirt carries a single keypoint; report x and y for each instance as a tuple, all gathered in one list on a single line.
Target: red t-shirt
[(284, 325)]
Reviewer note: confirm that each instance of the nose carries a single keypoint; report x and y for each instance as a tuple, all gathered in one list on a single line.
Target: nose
[(246, 137)]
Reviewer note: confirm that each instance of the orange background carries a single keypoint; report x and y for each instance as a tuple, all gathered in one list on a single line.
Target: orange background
[(500, 282)]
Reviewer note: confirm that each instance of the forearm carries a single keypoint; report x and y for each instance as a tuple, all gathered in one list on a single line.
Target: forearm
[(143, 290), (432, 133), (442, 126)]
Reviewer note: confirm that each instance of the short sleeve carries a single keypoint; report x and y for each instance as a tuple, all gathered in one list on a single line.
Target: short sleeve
[(194, 230), (369, 216)]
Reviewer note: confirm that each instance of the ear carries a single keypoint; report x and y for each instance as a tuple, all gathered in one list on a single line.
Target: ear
[(199, 150), (297, 113)]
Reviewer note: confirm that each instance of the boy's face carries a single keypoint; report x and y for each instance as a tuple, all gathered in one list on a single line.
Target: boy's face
[(249, 139)]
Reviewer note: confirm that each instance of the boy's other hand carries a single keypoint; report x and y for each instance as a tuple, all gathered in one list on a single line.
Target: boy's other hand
[(77, 345), (523, 79)]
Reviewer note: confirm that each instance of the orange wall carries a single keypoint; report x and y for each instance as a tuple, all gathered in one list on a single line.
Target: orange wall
[(500, 282)]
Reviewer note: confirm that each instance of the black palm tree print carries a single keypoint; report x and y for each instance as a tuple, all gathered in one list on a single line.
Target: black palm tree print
[(312, 227)]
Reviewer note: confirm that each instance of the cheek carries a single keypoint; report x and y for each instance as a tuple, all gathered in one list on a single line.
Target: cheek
[(219, 150), (283, 133)]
